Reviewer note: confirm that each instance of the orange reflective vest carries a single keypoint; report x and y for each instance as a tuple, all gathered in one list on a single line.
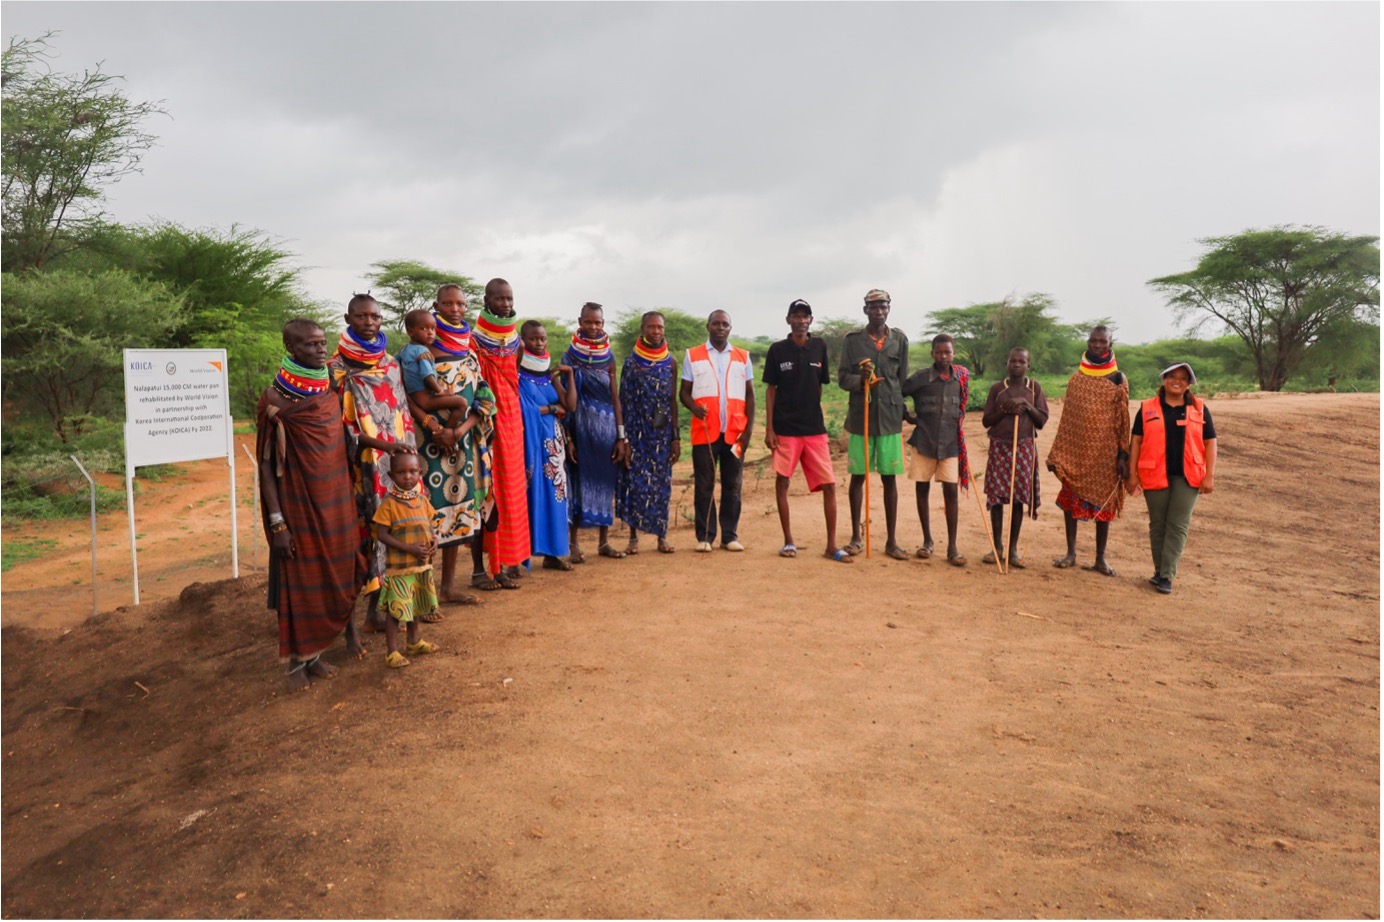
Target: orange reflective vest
[(707, 389), (1153, 461)]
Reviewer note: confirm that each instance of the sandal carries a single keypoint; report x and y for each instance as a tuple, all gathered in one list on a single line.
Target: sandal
[(839, 555), (505, 582), (485, 583), (896, 553), (1104, 569), (957, 560), (632, 548), (465, 598), (432, 617), (418, 649), (1015, 561), (854, 548), (577, 556), (605, 550), (555, 563), (664, 547), (1064, 563), (788, 550), (924, 552), (395, 660)]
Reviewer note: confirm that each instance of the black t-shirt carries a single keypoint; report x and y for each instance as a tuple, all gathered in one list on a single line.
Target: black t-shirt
[(799, 373), (1175, 432)]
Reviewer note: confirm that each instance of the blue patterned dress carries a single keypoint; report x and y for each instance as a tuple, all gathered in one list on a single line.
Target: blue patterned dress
[(592, 428), (646, 395), (545, 465)]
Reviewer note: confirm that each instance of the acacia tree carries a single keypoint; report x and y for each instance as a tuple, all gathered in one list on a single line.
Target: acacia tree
[(66, 137), (984, 333), (402, 285), (63, 343), (1278, 290)]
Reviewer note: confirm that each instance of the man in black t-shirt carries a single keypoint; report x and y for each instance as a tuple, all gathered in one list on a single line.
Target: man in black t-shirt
[(794, 371)]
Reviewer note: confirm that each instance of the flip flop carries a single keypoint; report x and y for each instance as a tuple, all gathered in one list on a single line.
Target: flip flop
[(896, 553), (555, 563), (788, 550), (1102, 569), (839, 555), (485, 583)]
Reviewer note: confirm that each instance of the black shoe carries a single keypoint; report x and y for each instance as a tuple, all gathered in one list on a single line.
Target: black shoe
[(1153, 580), (1164, 585)]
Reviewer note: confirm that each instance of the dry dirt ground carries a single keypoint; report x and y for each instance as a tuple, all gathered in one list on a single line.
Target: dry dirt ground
[(734, 735)]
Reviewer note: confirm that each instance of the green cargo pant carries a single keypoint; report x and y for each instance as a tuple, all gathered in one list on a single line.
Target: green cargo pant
[(1170, 512)]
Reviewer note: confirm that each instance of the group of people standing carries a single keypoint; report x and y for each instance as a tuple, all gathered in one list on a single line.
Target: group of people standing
[(372, 464)]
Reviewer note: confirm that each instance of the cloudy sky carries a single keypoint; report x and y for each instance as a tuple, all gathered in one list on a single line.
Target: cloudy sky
[(738, 156)]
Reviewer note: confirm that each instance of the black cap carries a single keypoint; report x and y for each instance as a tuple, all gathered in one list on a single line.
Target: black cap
[(800, 307)]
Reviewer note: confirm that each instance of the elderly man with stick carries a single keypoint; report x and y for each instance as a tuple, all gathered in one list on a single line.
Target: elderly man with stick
[(1015, 409), (1090, 454), (875, 359)]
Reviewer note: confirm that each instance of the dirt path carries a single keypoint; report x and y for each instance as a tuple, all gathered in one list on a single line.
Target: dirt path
[(739, 735)]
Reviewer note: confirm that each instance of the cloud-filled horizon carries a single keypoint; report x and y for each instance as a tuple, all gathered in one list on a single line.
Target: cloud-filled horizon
[(739, 156)]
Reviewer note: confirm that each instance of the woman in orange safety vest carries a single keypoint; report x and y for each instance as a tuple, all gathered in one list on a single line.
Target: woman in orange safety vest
[(1173, 460)]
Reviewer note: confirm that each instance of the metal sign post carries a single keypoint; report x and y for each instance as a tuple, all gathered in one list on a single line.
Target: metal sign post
[(93, 529)]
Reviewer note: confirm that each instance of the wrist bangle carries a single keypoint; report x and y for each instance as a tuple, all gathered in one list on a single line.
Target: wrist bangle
[(619, 433), (277, 527), (276, 518)]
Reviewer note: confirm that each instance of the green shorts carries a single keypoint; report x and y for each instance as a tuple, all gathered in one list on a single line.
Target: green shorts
[(886, 454)]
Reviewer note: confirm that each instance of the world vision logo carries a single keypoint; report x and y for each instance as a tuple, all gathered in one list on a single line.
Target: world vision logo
[(216, 365)]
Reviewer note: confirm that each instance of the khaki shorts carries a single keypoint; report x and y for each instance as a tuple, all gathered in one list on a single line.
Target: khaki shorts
[(922, 468)]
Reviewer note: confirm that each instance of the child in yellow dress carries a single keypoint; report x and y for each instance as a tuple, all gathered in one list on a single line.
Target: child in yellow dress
[(403, 524)]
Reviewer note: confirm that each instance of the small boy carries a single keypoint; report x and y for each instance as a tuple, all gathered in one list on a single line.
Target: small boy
[(939, 394), (1016, 404), (403, 524)]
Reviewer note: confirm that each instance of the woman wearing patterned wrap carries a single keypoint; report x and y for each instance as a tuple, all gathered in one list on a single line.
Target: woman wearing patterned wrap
[(596, 438), (495, 340), (649, 399), (455, 448), (1016, 397), (316, 567), (545, 400), (378, 425), (1090, 454)]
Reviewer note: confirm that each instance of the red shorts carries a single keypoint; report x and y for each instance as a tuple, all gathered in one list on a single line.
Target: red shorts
[(812, 451)]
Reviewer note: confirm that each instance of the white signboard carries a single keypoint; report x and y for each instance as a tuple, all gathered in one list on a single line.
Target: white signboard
[(177, 408)]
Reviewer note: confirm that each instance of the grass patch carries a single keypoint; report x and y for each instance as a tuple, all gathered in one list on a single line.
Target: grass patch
[(14, 552)]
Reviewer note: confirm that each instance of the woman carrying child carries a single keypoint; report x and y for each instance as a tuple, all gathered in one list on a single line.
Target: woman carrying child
[(455, 443), (544, 400), (403, 526)]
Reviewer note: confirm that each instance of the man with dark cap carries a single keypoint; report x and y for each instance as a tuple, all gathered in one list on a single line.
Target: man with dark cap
[(794, 371)]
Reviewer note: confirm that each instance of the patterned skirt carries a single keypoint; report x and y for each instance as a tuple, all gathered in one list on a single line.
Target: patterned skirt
[(997, 468)]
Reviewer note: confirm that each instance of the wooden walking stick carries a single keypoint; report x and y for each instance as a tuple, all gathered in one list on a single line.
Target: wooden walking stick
[(866, 514), (985, 521), (1013, 468)]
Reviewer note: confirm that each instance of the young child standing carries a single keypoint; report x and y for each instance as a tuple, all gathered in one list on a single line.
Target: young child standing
[(1017, 397), (544, 400), (403, 524)]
